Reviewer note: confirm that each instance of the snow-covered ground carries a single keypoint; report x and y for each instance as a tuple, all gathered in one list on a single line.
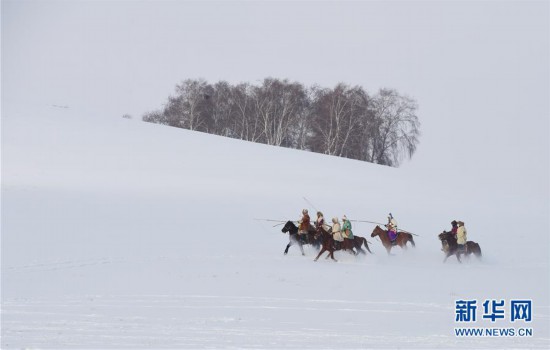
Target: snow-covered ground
[(123, 234)]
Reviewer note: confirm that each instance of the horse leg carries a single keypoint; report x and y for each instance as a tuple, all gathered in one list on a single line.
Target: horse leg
[(452, 253), (357, 247), (301, 248), (317, 245), (348, 246), (287, 246), (321, 252), (354, 248), (349, 250), (330, 252), (458, 257)]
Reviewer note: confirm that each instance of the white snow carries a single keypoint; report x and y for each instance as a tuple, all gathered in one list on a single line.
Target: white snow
[(123, 234)]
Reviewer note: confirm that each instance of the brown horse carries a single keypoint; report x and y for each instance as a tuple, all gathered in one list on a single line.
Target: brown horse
[(331, 245), (450, 247), (401, 240)]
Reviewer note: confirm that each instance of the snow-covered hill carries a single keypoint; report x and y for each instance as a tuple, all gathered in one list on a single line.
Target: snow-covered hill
[(123, 234)]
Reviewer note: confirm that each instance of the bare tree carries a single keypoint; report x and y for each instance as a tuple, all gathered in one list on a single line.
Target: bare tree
[(344, 121), (218, 108), (397, 129), (278, 104), (245, 125), (337, 114), (157, 117), (188, 108), (300, 132)]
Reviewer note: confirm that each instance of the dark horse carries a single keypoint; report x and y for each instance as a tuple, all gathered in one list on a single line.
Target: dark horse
[(401, 240), (348, 244), (294, 238), (450, 247)]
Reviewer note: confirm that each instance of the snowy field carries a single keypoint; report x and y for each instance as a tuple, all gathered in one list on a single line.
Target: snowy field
[(123, 234)]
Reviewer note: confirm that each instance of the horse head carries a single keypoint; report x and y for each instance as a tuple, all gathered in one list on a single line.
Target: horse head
[(443, 236), (289, 227), (320, 231), (377, 230)]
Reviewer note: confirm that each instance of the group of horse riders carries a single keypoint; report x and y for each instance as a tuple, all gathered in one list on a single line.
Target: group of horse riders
[(340, 232)]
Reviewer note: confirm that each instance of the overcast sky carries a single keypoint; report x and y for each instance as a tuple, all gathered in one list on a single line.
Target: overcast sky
[(479, 70)]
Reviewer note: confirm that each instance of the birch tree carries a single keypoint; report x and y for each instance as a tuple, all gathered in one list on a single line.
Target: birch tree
[(245, 125), (336, 117), (278, 105), (219, 109), (187, 109), (397, 131), (343, 121)]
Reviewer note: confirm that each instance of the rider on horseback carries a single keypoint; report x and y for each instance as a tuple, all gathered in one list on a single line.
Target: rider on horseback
[(303, 226), (346, 229), (444, 243), (336, 233), (461, 236), (454, 223), (320, 222), (392, 228)]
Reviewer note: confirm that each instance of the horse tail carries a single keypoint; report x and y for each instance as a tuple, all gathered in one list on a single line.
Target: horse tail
[(477, 253), (411, 240), (365, 242)]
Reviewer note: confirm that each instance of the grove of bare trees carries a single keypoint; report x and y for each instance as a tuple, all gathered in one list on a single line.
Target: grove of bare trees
[(343, 121)]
